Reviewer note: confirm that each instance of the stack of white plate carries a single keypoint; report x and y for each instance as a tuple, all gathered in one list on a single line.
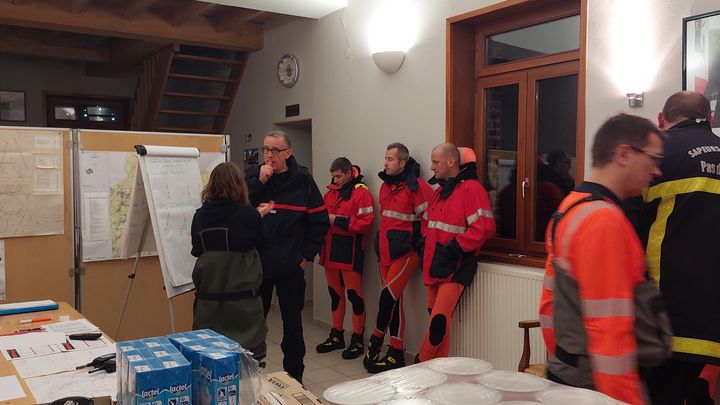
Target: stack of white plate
[(360, 392), (575, 396), (512, 381), (410, 401), (459, 365), (464, 393)]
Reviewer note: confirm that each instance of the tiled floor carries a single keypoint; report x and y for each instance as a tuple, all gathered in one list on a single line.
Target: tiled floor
[(321, 370)]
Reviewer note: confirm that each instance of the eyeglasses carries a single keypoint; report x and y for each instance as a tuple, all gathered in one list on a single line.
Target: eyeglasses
[(656, 158), (274, 151)]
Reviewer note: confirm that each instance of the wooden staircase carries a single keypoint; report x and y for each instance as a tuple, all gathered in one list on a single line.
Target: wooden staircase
[(187, 89)]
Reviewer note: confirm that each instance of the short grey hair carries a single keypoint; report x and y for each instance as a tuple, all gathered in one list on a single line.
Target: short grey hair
[(277, 134), (402, 150)]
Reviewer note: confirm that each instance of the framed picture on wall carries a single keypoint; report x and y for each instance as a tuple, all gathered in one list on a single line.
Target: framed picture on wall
[(701, 59), (250, 157), (12, 105)]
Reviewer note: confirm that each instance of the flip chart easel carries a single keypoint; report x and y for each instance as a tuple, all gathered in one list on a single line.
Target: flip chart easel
[(164, 198)]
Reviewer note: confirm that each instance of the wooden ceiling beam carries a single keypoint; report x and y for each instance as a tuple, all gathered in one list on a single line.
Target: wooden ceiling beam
[(50, 36), (135, 7), (187, 11), (146, 26), (125, 56), (238, 16), (37, 48), (76, 6), (95, 40)]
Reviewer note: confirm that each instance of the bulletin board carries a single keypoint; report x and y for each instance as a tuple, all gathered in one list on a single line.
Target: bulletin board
[(38, 267), (105, 282)]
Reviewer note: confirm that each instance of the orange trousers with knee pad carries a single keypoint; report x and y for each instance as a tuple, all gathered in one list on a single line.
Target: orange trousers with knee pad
[(390, 308), (441, 301), (339, 282)]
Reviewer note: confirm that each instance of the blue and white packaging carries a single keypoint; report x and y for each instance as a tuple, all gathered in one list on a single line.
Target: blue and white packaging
[(154, 342), (222, 342), (146, 382), (130, 355), (202, 334), (121, 362), (219, 378), (163, 351), (178, 382)]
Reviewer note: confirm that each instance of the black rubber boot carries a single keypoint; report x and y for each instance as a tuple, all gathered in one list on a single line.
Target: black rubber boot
[(395, 358), (335, 341), (373, 351), (355, 349)]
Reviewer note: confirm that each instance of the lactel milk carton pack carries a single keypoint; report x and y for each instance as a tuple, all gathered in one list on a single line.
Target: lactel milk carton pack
[(154, 342), (219, 377), (178, 390), (122, 349), (191, 350), (131, 356), (149, 365), (146, 382)]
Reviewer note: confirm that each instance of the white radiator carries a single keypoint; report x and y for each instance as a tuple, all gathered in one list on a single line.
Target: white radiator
[(485, 324)]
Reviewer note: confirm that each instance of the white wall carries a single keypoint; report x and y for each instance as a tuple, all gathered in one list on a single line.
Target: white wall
[(35, 76), (651, 46), (357, 109)]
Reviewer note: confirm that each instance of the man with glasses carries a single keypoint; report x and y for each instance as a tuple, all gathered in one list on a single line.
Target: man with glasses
[(591, 304), (295, 230), (679, 222)]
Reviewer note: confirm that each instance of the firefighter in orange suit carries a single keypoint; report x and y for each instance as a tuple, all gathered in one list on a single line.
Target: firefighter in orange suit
[(350, 209), (403, 199), (596, 262), (460, 220)]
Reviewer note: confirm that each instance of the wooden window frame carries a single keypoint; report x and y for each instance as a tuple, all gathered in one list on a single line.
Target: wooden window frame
[(465, 38)]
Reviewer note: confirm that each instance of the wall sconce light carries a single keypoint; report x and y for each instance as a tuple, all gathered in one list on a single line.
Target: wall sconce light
[(393, 29), (635, 99), (389, 61)]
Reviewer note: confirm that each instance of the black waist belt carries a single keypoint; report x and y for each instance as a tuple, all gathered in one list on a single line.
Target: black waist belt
[(567, 358), (233, 296)]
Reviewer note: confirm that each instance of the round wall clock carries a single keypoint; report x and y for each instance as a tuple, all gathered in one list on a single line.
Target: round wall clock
[(288, 70)]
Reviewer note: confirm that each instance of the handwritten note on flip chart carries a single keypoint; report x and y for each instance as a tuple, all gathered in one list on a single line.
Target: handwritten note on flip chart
[(168, 192)]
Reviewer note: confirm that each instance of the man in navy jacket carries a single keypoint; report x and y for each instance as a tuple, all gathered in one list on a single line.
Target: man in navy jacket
[(295, 229)]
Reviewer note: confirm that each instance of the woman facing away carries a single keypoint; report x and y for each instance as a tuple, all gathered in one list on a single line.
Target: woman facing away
[(227, 236)]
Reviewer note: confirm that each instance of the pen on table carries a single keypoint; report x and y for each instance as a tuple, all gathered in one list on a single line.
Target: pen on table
[(22, 331), (34, 320)]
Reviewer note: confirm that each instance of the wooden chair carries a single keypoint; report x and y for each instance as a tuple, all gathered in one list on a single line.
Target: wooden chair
[(524, 365)]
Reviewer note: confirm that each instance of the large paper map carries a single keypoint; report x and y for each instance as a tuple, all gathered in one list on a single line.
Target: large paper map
[(106, 181), (31, 183)]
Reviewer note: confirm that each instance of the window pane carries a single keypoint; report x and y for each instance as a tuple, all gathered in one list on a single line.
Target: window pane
[(501, 135), (65, 113), (556, 124), (537, 40)]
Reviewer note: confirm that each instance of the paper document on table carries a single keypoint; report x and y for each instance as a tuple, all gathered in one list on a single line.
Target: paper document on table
[(72, 384), (70, 327), (31, 340), (68, 346), (58, 362), (10, 388)]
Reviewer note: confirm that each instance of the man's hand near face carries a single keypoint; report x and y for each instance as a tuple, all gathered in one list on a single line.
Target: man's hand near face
[(266, 171)]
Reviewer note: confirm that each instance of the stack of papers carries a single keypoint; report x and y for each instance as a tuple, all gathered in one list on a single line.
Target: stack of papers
[(71, 327)]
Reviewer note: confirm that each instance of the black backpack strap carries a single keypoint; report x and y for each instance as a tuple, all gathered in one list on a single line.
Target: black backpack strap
[(558, 215)]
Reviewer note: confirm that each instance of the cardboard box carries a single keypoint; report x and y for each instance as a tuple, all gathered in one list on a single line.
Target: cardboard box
[(289, 391)]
